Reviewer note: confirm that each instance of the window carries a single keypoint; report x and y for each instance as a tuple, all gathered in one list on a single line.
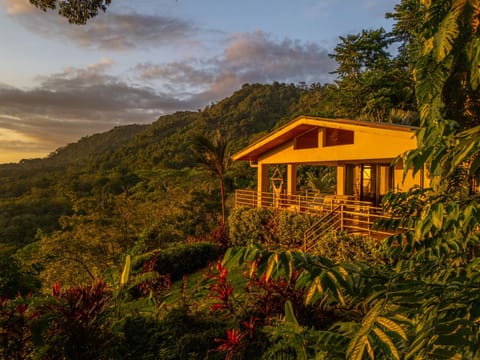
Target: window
[(308, 140), (335, 137)]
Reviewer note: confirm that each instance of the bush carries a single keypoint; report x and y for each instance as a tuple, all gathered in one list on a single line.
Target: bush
[(281, 228), (248, 226), (291, 228), (15, 331), (74, 324), (160, 235), (180, 259), (343, 247), (180, 335)]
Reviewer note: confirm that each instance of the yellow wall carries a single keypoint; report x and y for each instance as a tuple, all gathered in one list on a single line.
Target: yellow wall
[(369, 144), (410, 180), (372, 145)]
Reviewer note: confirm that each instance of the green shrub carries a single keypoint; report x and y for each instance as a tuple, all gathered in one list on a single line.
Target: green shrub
[(291, 228), (74, 323), (281, 228), (180, 259), (343, 247), (160, 235), (247, 226), (180, 335)]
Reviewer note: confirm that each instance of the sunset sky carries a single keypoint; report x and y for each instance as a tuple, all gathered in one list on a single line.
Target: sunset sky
[(145, 58)]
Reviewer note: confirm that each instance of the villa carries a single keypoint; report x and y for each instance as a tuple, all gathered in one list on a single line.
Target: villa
[(362, 152)]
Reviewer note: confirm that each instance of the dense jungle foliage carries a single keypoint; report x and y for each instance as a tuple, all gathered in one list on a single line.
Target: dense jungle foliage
[(86, 235)]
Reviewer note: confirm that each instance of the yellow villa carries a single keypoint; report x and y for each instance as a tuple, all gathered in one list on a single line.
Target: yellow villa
[(361, 151)]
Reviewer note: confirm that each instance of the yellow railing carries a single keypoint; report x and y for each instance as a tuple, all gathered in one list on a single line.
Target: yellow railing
[(310, 204), (330, 221), (346, 213)]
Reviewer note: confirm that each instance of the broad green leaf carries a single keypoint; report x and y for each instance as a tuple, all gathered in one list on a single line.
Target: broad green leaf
[(331, 282), (437, 215), (388, 342), (463, 154), (272, 262), (290, 314), (392, 326), (315, 286), (474, 57), (126, 271)]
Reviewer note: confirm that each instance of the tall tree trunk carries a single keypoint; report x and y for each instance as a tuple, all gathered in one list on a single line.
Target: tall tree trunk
[(222, 194)]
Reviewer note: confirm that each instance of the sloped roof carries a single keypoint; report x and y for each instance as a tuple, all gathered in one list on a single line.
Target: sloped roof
[(303, 124)]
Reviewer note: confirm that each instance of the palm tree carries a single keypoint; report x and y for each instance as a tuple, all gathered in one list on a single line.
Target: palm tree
[(212, 155)]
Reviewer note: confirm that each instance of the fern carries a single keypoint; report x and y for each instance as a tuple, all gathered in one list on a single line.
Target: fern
[(448, 31)]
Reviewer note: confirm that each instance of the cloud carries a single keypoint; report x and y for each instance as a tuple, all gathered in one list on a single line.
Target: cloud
[(109, 31), (17, 7), (248, 58), (75, 103)]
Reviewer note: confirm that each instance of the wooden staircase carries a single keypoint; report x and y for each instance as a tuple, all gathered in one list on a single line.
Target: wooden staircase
[(328, 223)]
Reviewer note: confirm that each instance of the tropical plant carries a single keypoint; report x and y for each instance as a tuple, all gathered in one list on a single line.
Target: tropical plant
[(73, 324), (15, 331), (213, 156), (371, 82), (277, 229), (178, 260)]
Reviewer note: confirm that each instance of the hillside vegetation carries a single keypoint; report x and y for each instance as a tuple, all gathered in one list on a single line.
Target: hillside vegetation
[(94, 229), (116, 186)]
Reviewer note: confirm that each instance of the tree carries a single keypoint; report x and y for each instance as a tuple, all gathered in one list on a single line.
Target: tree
[(76, 11), (447, 89), (213, 156), (356, 53), (371, 83)]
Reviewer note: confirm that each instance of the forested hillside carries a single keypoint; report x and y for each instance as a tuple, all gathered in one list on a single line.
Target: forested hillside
[(135, 180), (132, 179), (89, 230), (114, 187)]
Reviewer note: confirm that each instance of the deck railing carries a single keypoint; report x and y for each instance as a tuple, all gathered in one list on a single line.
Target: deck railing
[(310, 204), (354, 216)]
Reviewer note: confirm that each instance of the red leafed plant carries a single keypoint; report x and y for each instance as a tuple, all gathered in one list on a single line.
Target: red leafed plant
[(159, 284), (233, 345), (15, 330), (221, 290), (269, 296), (77, 320)]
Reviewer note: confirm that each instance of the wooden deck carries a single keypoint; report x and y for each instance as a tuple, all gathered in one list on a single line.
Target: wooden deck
[(334, 212)]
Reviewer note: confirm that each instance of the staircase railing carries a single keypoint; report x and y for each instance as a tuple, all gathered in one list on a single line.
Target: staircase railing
[(331, 221)]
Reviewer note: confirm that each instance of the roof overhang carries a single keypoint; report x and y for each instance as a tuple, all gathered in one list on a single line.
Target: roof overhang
[(302, 125)]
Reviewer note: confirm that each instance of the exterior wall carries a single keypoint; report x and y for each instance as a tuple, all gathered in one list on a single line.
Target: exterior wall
[(384, 183), (410, 180), (374, 146), (369, 144)]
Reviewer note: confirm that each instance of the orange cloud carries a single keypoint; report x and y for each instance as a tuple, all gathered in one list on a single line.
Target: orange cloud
[(15, 146), (16, 7)]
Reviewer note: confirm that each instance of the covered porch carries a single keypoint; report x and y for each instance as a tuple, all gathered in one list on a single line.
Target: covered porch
[(361, 152)]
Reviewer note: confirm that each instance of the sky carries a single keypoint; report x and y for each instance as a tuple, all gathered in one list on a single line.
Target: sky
[(146, 58)]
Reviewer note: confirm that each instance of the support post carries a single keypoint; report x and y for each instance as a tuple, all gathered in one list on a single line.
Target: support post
[(262, 183), (340, 179), (291, 179)]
